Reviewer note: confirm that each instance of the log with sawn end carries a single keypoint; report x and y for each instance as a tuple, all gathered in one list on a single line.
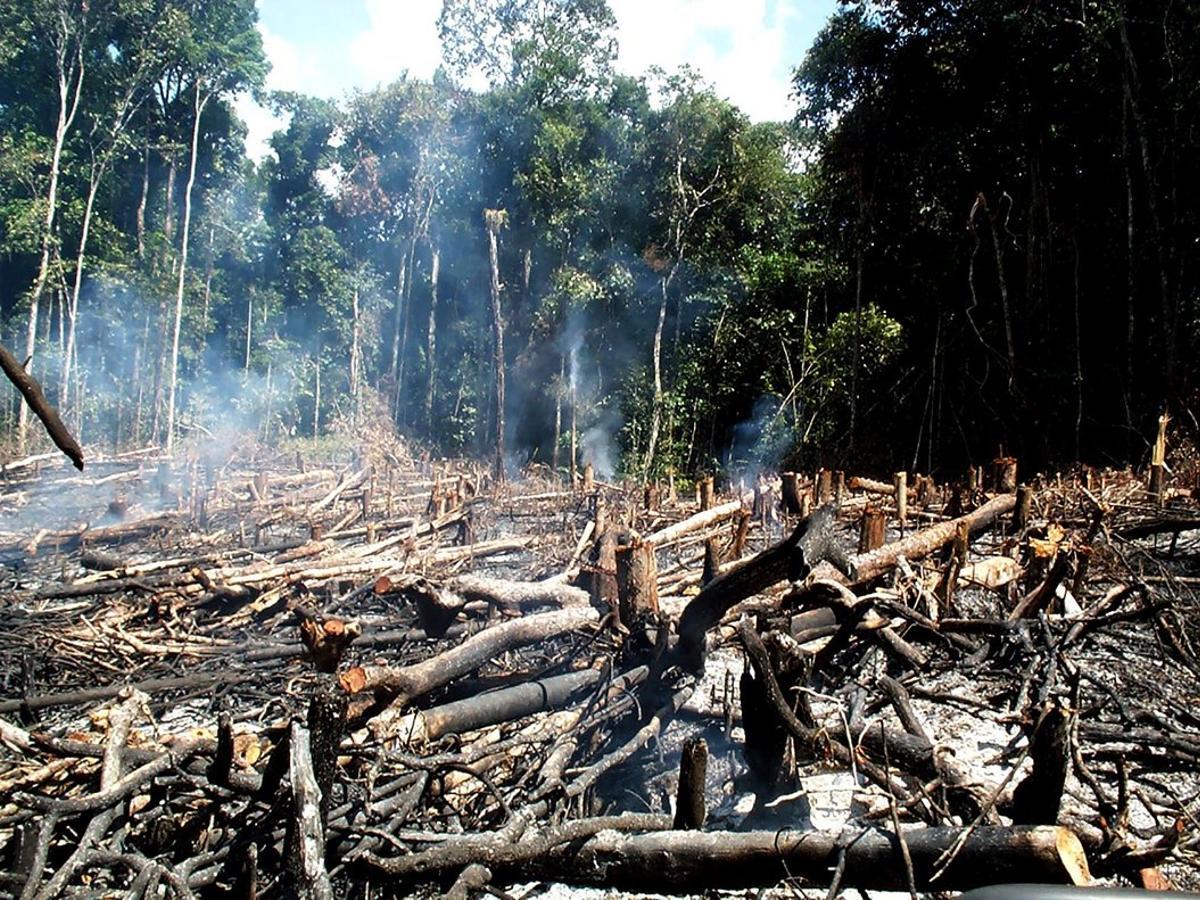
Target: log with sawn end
[(678, 861), (409, 682), (811, 542), (868, 566)]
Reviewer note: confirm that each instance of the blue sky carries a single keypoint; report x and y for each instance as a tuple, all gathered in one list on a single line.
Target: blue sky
[(746, 48)]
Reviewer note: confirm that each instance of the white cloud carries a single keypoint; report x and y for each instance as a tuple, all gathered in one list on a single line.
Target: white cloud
[(287, 74), (261, 123), (742, 48), (739, 47), (400, 37)]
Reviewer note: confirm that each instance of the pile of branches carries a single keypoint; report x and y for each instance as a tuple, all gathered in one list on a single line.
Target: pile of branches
[(394, 676)]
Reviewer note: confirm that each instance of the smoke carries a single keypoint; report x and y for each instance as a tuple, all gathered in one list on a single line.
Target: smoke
[(597, 419), (761, 441), (598, 445)]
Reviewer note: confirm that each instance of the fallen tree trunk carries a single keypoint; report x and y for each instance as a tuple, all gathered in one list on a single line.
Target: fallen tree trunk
[(694, 861), (518, 594), (867, 566), (701, 520), (483, 710), (408, 682), (871, 486)]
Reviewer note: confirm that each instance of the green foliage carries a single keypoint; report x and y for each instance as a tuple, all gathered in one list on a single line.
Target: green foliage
[(1020, 252), (553, 49)]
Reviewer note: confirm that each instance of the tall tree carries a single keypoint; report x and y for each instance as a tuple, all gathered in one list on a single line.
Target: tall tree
[(493, 221), (141, 37), (557, 48), (222, 54), (65, 28), (693, 150)]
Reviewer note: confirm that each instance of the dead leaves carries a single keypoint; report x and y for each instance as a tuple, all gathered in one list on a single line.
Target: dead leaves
[(1047, 547)]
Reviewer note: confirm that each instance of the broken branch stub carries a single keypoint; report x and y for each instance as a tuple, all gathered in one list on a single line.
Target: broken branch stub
[(811, 542), (31, 390)]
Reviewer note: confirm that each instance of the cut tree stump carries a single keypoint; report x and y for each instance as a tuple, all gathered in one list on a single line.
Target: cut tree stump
[(305, 875), (790, 492), (690, 811), (1004, 475), (1036, 800), (872, 529)]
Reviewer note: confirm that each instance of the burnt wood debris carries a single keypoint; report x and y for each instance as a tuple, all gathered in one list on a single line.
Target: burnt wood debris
[(372, 673)]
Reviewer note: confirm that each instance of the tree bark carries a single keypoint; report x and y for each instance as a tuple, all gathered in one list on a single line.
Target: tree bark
[(867, 566), (656, 414), (696, 861), (637, 582), (305, 875), (73, 313), (872, 529), (36, 400), (200, 101), (409, 682), (70, 82), (792, 558), (431, 336), (355, 342), (485, 710), (494, 219), (698, 522), (401, 281), (690, 811)]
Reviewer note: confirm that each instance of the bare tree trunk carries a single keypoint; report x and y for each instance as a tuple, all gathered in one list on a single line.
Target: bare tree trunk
[(401, 281), (1078, 350), (354, 350), (656, 415), (36, 400), (411, 267), (1169, 311), (494, 220), (169, 203), (70, 88), (1130, 287), (64, 388), (858, 292), (1002, 282), (138, 356), (574, 412), (317, 396), (249, 327), (198, 108), (160, 371), (208, 277), (431, 338), (141, 209), (558, 404)]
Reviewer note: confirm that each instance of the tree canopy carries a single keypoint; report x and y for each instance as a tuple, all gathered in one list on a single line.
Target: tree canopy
[(978, 233)]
